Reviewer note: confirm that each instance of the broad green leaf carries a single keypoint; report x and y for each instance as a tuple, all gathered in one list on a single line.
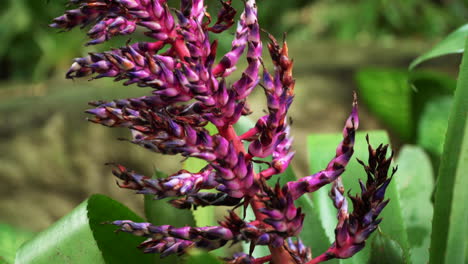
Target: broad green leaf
[(388, 94), (11, 239), (202, 257), (81, 237), (450, 222), (159, 212), (415, 185), (433, 124), (321, 150), (385, 250), (453, 43)]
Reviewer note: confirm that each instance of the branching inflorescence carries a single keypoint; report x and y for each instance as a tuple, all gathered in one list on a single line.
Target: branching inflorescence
[(189, 91)]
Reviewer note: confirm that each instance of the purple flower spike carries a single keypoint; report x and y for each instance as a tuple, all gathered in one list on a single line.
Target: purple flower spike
[(179, 184), (353, 229), (188, 90), (299, 251), (280, 211), (336, 166)]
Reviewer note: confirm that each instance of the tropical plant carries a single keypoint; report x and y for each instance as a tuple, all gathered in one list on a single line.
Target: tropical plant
[(192, 111)]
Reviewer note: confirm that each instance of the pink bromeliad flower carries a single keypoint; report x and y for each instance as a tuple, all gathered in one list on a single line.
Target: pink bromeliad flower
[(188, 91)]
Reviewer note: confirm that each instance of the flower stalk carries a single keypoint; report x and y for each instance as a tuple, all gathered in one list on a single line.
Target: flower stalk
[(188, 90)]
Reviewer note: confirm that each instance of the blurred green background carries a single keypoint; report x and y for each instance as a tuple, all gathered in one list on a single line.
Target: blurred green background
[(51, 158)]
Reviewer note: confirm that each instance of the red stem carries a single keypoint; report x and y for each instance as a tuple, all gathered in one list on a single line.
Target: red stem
[(319, 259), (262, 259), (278, 255)]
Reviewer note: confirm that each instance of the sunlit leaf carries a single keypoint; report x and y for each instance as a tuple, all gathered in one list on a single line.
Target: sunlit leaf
[(11, 239), (415, 185), (450, 222), (81, 237), (321, 151), (201, 257), (453, 43)]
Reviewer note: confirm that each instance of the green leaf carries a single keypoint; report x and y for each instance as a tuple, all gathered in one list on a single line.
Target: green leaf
[(433, 124), (321, 150), (415, 185), (388, 94), (398, 99), (453, 43), (160, 212), (202, 257), (81, 237), (385, 250), (450, 223), (11, 239)]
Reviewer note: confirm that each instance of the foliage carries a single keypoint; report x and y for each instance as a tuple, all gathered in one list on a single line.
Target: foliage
[(439, 112), (28, 48), (371, 19), (418, 98), (11, 239), (32, 52), (82, 236)]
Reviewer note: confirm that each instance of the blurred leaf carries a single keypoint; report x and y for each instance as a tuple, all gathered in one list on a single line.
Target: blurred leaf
[(450, 223), (415, 185), (433, 124), (398, 98), (385, 250), (387, 93), (81, 237), (159, 212), (202, 257), (453, 43), (11, 239), (431, 103), (433, 81), (321, 150)]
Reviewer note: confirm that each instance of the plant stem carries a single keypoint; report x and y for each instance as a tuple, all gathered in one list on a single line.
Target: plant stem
[(319, 259)]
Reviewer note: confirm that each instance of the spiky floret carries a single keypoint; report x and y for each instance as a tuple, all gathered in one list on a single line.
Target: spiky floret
[(188, 91), (353, 229)]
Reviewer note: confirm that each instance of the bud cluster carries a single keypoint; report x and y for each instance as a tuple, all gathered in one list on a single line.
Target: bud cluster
[(188, 91)]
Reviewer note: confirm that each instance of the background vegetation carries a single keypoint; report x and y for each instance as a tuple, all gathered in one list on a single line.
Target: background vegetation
[(51, 159)]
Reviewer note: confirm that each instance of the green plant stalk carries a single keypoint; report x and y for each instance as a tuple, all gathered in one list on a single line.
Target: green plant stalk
[(450, 220)]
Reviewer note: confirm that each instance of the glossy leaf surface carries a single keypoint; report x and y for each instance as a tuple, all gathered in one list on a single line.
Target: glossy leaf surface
[(82, 237), (415, 186), (453, 43), (450, 224), (11, 239)]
